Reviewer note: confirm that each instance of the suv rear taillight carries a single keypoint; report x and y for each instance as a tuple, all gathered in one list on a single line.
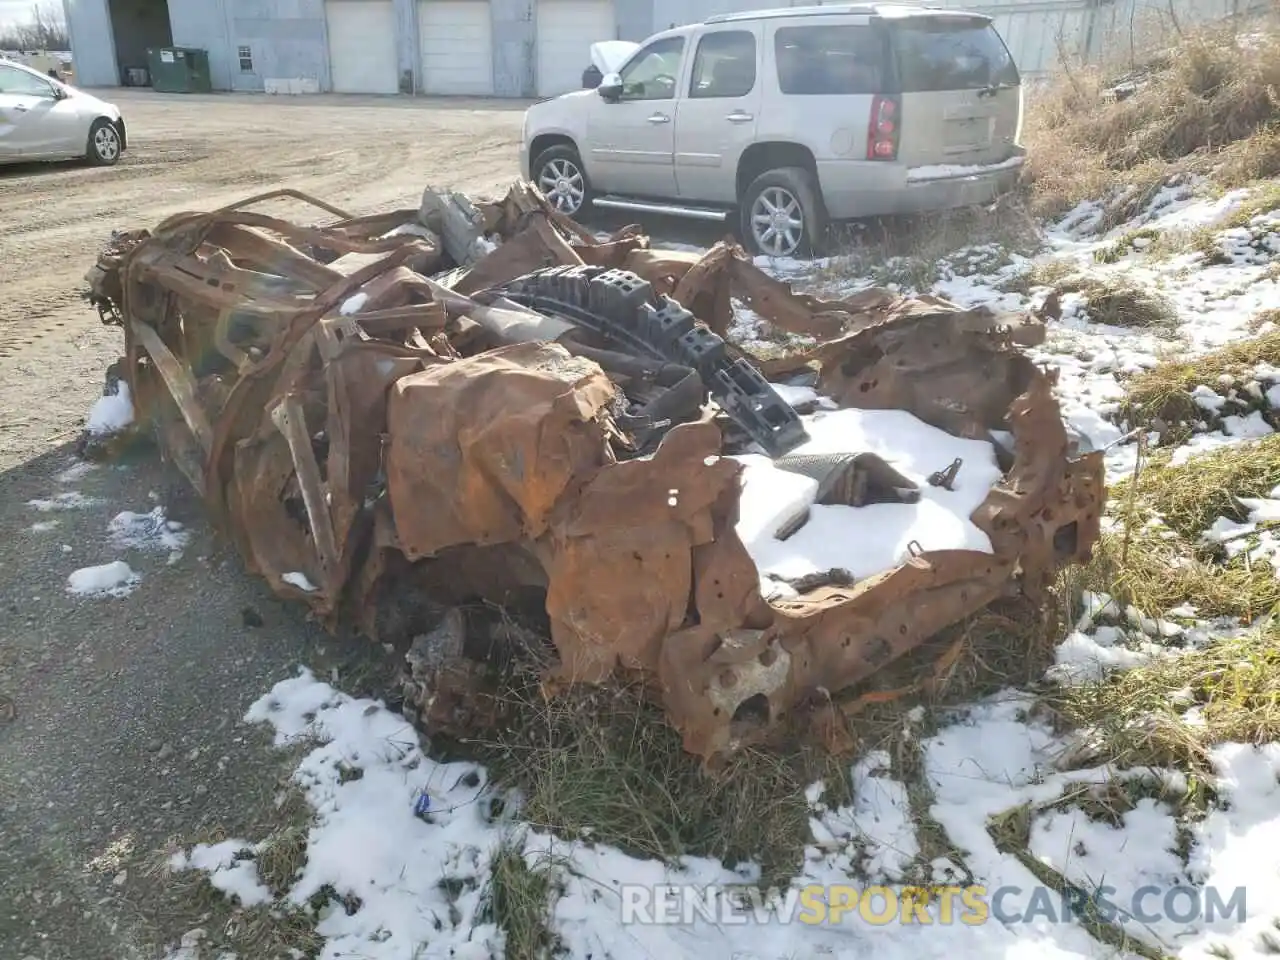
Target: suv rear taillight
[(882, 134)]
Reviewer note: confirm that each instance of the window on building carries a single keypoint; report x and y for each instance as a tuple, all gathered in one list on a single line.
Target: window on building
[(725, 65), (246, 60), (830, 60)]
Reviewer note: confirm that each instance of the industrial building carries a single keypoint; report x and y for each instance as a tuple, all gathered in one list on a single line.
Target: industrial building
[(503, 48)]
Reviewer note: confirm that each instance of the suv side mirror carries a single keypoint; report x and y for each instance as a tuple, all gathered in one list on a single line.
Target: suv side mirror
[(610, 87)]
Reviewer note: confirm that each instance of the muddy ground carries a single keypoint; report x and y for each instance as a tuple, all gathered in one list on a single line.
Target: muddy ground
[(119, 717)]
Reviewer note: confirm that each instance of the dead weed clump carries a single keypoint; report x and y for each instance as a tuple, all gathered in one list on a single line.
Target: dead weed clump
[(602, 764), (518, 899), (913, 253), (1120, 303), (1138, 717), (1208, 105), (1191, 496), (1155, 573), (1161, 397)]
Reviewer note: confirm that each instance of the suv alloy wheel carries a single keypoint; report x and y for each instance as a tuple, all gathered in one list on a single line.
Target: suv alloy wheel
[(782, 215), (559, 175)]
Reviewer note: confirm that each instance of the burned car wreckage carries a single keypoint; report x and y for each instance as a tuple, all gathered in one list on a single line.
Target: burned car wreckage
[(483, 400)]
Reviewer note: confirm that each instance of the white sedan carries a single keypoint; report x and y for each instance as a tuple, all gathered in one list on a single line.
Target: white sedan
[(44, 119)]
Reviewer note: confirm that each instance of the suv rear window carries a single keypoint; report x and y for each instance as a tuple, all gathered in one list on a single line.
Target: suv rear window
[(951, 53), (814, 61)]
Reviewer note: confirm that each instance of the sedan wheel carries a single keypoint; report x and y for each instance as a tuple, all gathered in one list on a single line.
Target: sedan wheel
[(104, 143), (561, 181), (777, 222)]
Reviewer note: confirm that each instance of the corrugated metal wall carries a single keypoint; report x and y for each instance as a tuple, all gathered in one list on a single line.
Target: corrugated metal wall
[(1039, 33)]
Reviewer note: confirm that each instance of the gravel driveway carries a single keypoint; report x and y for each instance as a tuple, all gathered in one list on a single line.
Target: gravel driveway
[(119, 716)]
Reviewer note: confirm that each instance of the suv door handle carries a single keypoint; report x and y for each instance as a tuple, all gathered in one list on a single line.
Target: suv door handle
[(21, 107), (739, 117), (659, 118)]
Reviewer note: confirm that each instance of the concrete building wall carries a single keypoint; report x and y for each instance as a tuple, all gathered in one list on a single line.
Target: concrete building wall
[(203, 24), (93, 48), (286, 39), (635, 19), (514, 37), (406, 12)]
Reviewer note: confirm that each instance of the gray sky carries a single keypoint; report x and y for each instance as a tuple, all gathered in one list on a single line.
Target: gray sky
[(12, 11)]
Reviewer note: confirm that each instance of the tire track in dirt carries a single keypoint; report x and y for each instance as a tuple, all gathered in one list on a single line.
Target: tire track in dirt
[(184, 155)]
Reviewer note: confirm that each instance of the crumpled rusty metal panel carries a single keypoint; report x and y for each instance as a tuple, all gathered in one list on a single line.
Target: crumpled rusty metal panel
[(619, 556), (964, 375), (406, 450), (483, 449)]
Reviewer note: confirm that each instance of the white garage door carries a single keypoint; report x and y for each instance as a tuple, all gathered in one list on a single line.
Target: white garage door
[(456, 46), (566, 31), (362, 46)]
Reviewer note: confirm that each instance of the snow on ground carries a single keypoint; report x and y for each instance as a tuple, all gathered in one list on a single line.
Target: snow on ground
[(71, 500), (111, 413), (870, 539), (152, 531), (414, 839), (420, 868), (115, 579), (299, 580)]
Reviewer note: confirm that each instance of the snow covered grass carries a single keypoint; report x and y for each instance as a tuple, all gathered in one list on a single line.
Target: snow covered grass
[(1168, 392), (605, 766), (1213, 92), (913, 253), (1189, 497), (1156, 556), (1117, 302), (1172, 710)]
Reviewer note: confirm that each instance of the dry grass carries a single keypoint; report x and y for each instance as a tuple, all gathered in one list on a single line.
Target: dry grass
[(1189, 497), (1130, 241), (1136, 717), (1155, 573), (1163, 393), (912, 253), (1209, 106), (518, 898), (1159, 565), (603, 763), (1118, 302)]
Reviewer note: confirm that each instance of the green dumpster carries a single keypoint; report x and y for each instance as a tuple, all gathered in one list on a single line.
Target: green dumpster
[(179, 70)]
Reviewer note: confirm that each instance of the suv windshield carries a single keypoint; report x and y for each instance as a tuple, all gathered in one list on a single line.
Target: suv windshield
[(951, 53)]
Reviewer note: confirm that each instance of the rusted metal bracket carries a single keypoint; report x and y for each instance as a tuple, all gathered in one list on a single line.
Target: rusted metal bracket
[(288, 418), (946, 478)]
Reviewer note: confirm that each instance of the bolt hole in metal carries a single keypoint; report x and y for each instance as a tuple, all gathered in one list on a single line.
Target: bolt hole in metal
[(561, 182), (777, 222)]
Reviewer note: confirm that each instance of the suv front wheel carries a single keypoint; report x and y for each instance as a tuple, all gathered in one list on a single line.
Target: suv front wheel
[(782, 214), (559, 175)]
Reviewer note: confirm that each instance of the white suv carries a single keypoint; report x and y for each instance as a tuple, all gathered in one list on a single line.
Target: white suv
[(791, 117)]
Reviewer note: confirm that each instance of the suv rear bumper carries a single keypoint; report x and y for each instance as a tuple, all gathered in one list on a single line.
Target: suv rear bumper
[(861, 188)]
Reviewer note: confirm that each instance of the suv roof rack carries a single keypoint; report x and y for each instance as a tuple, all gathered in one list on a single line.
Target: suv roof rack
[(834, 9)]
